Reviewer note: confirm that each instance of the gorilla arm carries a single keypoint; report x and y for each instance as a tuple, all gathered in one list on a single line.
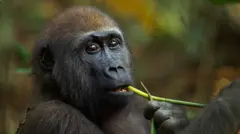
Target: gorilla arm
[(221, 116), (56, 117), (217, 118)]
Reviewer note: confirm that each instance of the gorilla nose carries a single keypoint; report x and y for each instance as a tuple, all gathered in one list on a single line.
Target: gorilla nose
[(115, 72)]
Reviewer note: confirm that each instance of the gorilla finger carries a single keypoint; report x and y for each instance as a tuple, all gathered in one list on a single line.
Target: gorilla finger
[(175, 124), (161, 115), (150, 109), (152, 106), (165, 131), (176, 112)]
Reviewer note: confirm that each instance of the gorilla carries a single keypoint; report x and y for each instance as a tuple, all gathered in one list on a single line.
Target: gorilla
[(81, 67)]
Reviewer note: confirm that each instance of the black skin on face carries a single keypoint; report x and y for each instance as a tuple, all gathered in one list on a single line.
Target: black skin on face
[(78, 63), (106, 61), (108, 56)]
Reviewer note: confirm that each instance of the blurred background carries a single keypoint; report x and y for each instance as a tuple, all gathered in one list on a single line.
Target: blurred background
[(182, 49)]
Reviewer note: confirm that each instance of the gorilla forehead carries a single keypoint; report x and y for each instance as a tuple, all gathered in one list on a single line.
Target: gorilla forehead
[(78, 19)]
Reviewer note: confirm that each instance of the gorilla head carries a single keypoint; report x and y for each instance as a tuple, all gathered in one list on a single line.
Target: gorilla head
[(82, 59)]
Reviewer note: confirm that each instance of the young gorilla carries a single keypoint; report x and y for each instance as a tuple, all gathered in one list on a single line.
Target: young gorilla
[(81, 67)]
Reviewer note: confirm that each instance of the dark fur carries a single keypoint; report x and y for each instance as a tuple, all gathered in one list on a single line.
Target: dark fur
[(217, 118)]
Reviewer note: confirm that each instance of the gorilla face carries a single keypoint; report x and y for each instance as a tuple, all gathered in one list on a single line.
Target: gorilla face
[(94, 68), (105, 54)]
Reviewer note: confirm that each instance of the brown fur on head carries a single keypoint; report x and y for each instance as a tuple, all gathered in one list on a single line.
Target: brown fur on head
[(79, 19)]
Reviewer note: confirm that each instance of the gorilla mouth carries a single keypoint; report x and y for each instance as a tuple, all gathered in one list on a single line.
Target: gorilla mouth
[(120, 89)]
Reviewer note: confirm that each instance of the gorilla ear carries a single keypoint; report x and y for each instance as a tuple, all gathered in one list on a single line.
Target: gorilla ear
[(46, 61)]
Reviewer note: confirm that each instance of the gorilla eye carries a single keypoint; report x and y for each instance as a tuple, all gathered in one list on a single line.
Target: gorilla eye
[(92, 48), (114, 43)]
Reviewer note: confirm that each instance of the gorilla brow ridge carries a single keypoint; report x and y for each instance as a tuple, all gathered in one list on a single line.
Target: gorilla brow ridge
[(115, 29)]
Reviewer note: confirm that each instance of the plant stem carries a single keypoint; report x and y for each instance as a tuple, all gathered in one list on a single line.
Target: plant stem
[(186, 103), (152, 130)]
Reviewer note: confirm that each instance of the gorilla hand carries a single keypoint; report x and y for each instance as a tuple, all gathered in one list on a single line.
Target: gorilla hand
[(168, 117)]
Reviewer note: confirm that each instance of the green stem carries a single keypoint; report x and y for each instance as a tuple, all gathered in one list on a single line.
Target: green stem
[(152, 131), (186, 103)]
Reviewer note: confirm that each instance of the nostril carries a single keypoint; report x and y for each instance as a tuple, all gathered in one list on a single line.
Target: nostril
[(115, 69), (115, 72), (120, 67), (112, 69)]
